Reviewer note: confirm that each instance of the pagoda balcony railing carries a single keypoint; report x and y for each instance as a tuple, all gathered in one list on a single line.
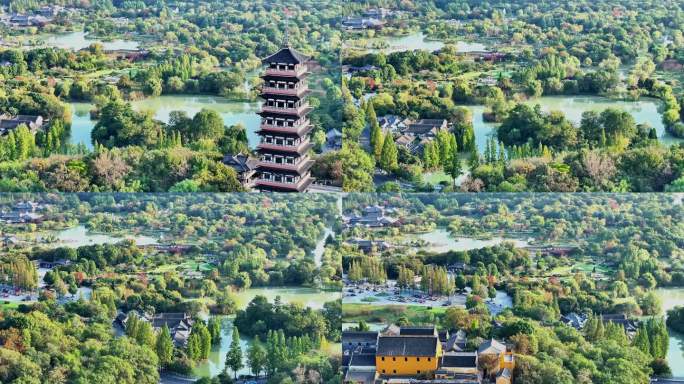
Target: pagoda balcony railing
[(283, 147), (286, 72), (296, 129), (304, 163), (298, 92), (283, 184), (293, 110)]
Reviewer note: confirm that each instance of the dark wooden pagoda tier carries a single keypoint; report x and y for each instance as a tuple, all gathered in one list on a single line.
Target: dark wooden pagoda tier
[(284, 164)]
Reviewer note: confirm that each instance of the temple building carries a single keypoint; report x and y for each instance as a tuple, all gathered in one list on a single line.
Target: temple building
[(415, 351), (284, 161), (422, 355)]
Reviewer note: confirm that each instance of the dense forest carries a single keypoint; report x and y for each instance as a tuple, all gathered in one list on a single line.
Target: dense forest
[(210, 48), (619, 51), (618, 249), (210, 249)]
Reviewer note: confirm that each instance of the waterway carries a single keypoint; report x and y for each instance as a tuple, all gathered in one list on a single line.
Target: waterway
[(79, 40), (670, 298)]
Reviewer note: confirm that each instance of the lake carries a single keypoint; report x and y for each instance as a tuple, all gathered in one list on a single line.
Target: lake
[(310, 297), (79, 40), (440, 240), (672, 297), (418, 40), (644, 110), (79, 236), (232, 112)]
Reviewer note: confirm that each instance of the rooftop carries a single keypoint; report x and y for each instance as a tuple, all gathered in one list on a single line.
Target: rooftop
[(459, 360), (407, 345), (287, 55), (418, 331)]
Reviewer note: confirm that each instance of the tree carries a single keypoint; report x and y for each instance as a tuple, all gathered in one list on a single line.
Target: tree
[(356, 169), (389, 155), (194, 347), (376, 136), (153, 86), (206, 124), (119, 125), (164, 347), (234, 355), (256, 356), (214, 327), (455, 168)]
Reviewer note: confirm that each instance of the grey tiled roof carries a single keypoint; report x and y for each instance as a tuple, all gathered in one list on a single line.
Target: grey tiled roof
[(287, 55), (459, 360), (407, 345)]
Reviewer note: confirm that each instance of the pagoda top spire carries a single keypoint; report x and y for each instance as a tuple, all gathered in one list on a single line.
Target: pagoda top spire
[(286, 35)]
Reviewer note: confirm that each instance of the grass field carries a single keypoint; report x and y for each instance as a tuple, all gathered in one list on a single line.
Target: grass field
[(436, 177), (583, 266), (190, 265), (389, 314), (9, 305)]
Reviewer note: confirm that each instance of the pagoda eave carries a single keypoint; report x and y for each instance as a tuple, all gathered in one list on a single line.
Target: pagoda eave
[(270, 148), (287, 131), (275, 112), (273, 186), (287, 168)]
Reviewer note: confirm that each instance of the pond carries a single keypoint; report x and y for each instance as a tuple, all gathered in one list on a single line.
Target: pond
[(217, 357), (418, 40), (483, 130), (79, 40), (81, 125), (232, 112), (672, 297), (644, 111), (440, 240), (79, 236)]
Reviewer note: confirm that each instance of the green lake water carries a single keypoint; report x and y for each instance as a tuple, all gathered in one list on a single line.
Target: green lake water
[(79, 40), (672, 297), (418, 40), (643, 111), (79, 236), (310, 297), (232, 112), (440, 240)]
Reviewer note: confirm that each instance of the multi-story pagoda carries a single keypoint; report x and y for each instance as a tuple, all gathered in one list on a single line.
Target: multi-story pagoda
[(284, 162)]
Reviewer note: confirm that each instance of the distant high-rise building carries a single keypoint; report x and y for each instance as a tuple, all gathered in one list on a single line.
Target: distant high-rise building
[(284, 161)]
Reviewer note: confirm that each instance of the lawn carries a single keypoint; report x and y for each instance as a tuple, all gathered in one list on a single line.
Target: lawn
[(436, 177), (583, 266), (390, 313), (190, 265), (164, 268), (9, 305)]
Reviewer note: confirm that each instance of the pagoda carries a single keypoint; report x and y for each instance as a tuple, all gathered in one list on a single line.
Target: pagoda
[(284, 162)]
